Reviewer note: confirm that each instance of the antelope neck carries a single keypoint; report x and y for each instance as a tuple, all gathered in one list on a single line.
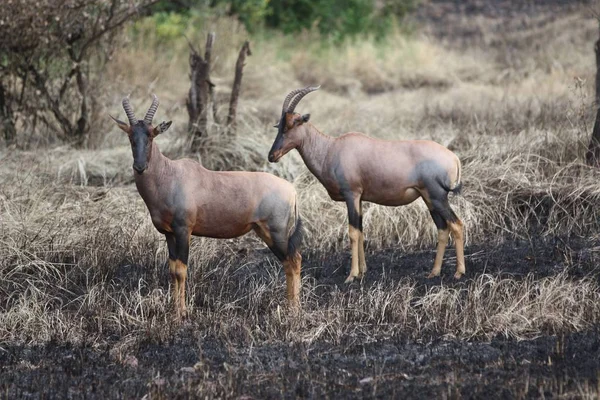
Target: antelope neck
[(158, 166), (314, 148)]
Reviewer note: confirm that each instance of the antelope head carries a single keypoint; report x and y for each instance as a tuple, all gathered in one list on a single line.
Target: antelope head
[(141, 133), (290, 129)]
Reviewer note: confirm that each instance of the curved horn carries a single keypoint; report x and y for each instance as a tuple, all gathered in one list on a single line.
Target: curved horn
[(300, 95), (289, 97), (152, 110), (129, 111)]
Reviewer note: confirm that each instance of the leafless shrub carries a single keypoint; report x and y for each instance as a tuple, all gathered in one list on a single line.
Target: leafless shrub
[(53, 53)]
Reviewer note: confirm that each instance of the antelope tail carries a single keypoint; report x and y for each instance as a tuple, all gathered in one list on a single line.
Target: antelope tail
[(295, 239), (456, 188)]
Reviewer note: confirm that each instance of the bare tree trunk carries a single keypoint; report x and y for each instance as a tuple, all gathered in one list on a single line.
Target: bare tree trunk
[(237, 85), (211, 90), (198, 96), (592, 157), (82, 126), (597, 51), (6, 116)]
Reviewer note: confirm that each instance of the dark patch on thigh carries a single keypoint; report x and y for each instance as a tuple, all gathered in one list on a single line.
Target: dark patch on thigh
[(439, 221), (434, 178), (442, 208), (295, 239), (354, 218), (171, 244), (436, 182), (279, 249), (182, 244)]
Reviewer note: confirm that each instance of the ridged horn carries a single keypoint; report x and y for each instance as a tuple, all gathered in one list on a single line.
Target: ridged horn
[(129, 111), (152, 110), (300, 95), (288, 98)]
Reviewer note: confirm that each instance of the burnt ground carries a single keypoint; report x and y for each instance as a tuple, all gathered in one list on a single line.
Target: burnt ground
[(494, 24), (189, 364), (541, 257)]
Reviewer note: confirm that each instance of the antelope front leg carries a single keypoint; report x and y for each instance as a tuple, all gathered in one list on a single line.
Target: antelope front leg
[(181, 277), (174, 283), (171, 243), (354, 240), (362, 263), (355, 234), (179, 271)]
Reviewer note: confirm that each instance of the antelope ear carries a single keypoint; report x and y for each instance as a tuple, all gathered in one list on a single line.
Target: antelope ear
[(305, 118), (163, 126), (122, 125)]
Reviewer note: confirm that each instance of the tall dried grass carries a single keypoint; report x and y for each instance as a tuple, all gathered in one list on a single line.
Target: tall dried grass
[(79, 257)]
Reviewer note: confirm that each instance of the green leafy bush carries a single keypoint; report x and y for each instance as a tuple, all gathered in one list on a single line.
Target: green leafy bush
[(333, 18), (170, 25)]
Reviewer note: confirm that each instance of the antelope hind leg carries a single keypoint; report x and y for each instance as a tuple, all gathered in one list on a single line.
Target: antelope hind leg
[(354, 241), (292, 263), (448, 223), (443, 235), (355, 234), (292, 266), (456, 228)]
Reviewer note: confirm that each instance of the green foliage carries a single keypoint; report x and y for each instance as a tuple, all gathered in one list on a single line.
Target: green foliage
[(252, 13), (336, 19), (168, 25)]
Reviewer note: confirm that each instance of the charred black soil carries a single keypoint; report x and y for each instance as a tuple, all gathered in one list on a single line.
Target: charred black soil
[(188, 367), (191, 363)]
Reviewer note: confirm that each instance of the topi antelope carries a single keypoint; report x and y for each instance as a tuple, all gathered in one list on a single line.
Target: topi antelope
[(185, 199), (355, 168)]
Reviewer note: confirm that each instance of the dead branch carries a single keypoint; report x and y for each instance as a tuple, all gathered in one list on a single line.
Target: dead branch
[(199, 93), (237, 85)]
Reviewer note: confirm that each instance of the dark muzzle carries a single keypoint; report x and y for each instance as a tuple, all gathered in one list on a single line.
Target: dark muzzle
[(275, 152), (139, 168)]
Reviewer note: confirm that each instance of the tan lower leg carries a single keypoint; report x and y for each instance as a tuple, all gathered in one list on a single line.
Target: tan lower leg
[(182, 276), (354, 234), (362, 264), (292, 267), (443, 235), (178, 272), (174, 284), (458, 236)]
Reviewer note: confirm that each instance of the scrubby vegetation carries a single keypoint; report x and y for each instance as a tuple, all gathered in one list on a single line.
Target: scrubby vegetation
[(82, 269)]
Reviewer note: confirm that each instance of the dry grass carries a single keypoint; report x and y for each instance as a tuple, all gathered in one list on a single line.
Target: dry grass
[(80, 260)]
